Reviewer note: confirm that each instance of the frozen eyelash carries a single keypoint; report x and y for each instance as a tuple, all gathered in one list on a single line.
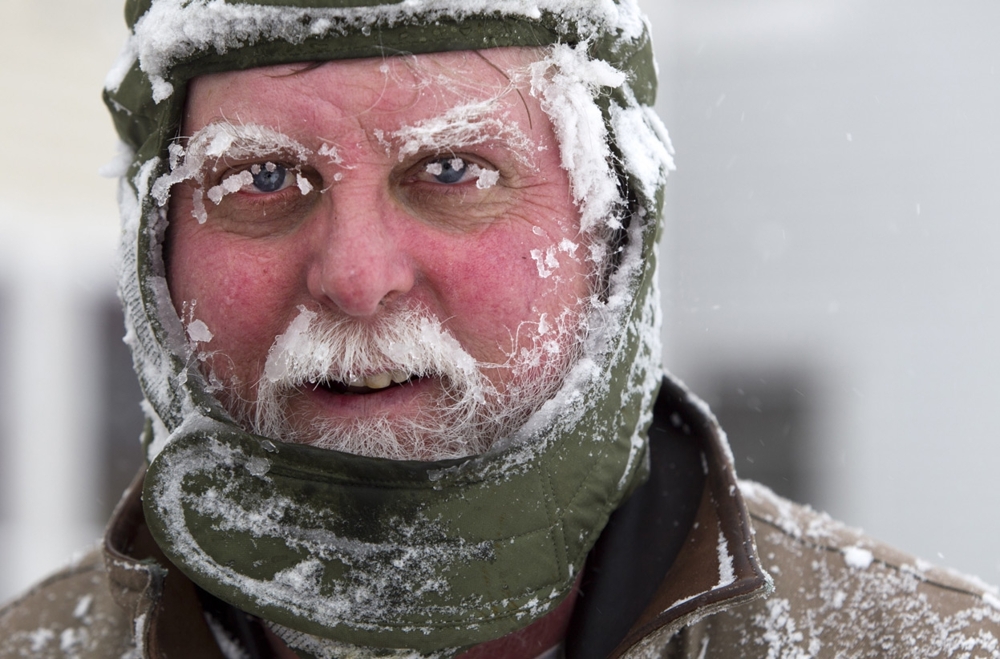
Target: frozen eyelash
[(219, 140), (485, 178)]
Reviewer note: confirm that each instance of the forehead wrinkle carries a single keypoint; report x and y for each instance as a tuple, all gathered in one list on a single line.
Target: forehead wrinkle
[(366, 97), (358, 107)]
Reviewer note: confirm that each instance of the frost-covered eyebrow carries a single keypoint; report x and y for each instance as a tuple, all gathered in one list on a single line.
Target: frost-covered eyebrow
[(463, 126), (224, 138), (221, 139)]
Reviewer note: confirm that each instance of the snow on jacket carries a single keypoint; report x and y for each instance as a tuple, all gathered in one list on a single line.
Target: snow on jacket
[(694, 565)]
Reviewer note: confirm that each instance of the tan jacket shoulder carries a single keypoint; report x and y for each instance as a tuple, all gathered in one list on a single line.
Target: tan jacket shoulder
[(69, 615), (839, 594)]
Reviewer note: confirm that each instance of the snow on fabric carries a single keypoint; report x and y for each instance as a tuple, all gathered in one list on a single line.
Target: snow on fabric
[(173, 30), (727, 574), (839, 593), (153, 363), (881, 607), (858, 557), (387, 578), (641, 135), (566, 82)]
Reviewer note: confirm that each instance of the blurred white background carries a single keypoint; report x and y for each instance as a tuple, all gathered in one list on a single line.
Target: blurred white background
[(830, 269)]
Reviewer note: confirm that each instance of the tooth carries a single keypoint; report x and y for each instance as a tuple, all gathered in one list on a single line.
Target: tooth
[(355, 382), (399, 376), (378, 381)]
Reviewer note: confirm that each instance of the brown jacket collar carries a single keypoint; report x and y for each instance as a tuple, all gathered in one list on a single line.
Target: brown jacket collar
[(717, 567)]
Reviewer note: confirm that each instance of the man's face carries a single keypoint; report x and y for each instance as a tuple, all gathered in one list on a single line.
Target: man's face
[(396, 207)]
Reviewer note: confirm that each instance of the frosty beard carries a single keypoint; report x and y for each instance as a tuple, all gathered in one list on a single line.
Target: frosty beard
[(467, 415)]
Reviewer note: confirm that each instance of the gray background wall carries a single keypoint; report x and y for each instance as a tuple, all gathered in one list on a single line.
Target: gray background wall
[(833, 250), (828, 269)]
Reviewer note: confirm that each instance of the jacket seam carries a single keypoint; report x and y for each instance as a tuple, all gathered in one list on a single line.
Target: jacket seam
[(840, 551)]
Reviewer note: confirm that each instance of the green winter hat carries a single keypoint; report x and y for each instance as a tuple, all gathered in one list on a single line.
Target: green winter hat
[(342, 552)]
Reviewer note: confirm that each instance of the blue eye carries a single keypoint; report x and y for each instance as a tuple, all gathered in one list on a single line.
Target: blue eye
[(448, 170), (268, 178)]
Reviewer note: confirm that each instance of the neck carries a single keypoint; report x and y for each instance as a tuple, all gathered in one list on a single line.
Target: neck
[(534, 639), (528, 643)]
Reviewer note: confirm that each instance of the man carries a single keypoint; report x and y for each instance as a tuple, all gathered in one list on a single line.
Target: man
[(389, 278)]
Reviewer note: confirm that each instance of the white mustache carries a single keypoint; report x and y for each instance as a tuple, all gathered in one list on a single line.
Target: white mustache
[(406, 341), (465, 414)]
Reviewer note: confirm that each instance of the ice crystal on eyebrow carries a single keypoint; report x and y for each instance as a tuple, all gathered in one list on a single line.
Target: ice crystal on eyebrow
[(220, 140), (331, 153), (462, 126)]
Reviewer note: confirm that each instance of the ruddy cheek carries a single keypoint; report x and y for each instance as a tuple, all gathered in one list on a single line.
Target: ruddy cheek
[(498, 284)]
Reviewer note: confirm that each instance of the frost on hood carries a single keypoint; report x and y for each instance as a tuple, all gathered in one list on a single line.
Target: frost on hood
[(164, 390), (566, 83), (640, 134), (646, 371), (388, 579), (173, 30)]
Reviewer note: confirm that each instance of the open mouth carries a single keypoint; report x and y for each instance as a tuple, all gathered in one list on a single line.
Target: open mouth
[(368, 384)]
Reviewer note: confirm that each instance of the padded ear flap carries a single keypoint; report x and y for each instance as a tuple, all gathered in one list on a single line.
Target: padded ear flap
[(134, 9)]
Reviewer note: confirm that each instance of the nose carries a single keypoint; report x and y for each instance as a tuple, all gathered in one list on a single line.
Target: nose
[(358, 264)]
